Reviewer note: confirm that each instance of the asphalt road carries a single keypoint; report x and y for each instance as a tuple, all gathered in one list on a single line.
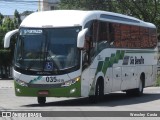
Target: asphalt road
[(118, 101)]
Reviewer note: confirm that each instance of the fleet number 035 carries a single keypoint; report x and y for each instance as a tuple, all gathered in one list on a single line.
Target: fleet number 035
[(54, 79)]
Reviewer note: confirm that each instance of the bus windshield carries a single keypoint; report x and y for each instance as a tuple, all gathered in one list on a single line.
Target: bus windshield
[(47, 49)]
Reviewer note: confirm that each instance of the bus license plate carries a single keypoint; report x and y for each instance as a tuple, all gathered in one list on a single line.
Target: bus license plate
[(43, 92)]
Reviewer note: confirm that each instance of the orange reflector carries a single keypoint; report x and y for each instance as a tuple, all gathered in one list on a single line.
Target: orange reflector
[(44, 92)]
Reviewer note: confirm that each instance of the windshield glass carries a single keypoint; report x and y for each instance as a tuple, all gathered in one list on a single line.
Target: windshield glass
[(47, 49)]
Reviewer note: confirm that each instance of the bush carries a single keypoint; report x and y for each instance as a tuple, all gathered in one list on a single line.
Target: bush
[(6, 57), (5, 63), (158, 80)]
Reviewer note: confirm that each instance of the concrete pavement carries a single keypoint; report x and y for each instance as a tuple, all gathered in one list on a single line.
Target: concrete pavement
[(6, 83)]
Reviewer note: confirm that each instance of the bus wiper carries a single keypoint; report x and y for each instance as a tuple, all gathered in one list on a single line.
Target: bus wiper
[(34, 62)]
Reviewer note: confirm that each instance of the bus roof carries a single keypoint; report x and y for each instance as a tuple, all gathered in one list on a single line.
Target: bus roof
[(68, 18)]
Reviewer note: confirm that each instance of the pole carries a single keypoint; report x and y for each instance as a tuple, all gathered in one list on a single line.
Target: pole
[(39, 5)]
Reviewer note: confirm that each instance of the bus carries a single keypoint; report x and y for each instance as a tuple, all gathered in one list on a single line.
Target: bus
[(74, 53)]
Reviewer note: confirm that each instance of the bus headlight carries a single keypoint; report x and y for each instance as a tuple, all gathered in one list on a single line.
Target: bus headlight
[(22, 83), (70, 82)]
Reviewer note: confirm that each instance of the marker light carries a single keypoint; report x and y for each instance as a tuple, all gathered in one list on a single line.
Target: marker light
[(22, 83), (70, 82), (72, 90)]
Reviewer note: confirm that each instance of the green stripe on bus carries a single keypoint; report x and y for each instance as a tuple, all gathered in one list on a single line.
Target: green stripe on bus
[(112, 59), (109, 61), (99, 67), (104, 65), (121, 54)]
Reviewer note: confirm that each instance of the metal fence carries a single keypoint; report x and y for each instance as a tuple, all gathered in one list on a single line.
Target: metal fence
[(6, 72)]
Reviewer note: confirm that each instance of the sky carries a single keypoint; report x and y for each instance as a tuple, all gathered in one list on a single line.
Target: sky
[(7, 7)]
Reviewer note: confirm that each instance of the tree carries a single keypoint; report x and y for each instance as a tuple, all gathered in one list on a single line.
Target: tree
[(6, 55), (5, 62), (17, 19), (72, 4), (147, 10), (1, 19)]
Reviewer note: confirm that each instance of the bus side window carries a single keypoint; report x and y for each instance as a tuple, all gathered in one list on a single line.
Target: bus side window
[(111, 34), (86, 52), (94, 37), (106, 36), (90, 43)]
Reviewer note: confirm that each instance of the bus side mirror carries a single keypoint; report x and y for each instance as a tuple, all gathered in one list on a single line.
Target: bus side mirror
[(81, 38), (8, 37)]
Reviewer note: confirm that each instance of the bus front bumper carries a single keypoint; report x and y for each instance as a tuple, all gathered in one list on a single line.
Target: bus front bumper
[(73, 90)]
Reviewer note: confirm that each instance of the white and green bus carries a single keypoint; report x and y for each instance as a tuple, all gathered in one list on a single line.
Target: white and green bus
[(72, 53)]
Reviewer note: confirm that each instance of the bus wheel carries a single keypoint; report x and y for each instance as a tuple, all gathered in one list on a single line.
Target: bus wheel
[(99, 92), (139, 91), (41, 100)]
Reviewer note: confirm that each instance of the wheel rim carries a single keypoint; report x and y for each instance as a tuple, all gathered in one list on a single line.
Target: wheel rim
[(98, 90), (140, 86)]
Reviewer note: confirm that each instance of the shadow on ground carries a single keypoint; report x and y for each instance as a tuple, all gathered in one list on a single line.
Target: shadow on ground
[(114, 99)]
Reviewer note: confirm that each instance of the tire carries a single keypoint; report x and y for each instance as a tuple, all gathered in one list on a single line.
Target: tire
[(41, 100), (138, 91), (99, 92), (129, 92)]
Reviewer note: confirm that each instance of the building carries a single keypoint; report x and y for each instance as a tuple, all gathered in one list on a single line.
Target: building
[(45, 5)]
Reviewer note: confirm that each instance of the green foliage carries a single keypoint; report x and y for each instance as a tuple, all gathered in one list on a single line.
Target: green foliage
[(72, 4), (83, 4), (6, 55), (158, 80), (17, 19), (147, 10), (8, 24), (1, 19)]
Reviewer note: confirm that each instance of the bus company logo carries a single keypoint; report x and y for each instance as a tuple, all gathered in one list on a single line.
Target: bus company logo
[(133, 60), (32, 31), (6, 114), (99, 57)]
